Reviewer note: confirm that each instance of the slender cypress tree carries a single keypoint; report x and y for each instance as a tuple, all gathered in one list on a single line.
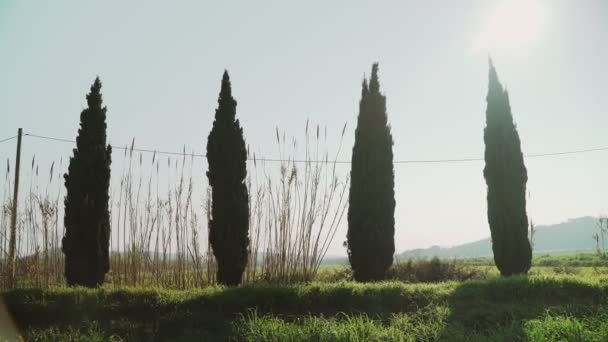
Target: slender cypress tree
[(86, 241), (371, 220), (227, 159), (506, 178)]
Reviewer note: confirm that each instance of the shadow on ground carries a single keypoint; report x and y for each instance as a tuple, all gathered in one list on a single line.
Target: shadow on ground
[(492, 309), (499, 309)]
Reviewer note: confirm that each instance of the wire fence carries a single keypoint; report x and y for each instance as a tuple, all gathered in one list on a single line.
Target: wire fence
[(8, 139), (397, 161), (159, 218)]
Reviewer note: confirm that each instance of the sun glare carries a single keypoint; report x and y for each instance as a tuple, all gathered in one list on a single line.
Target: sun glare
[(511, 26)]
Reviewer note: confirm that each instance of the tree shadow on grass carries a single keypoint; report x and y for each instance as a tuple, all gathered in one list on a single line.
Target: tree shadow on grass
[(493, 309), (498, 309), (291, 303), (150, 314)]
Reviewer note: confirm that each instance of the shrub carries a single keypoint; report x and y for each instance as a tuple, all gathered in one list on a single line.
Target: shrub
[(414, 271), (434, 270), (569, 270)]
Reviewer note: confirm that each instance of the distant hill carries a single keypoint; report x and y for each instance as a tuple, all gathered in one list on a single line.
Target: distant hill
[(567, 237), (571, 236)]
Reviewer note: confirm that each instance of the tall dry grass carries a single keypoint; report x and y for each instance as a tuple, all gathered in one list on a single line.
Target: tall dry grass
[(160, 206), (302, 209)]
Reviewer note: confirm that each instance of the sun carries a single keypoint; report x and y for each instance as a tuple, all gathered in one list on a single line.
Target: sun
[(511, 26)]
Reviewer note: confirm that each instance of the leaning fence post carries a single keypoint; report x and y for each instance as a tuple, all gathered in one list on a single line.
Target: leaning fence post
[(13, 237)]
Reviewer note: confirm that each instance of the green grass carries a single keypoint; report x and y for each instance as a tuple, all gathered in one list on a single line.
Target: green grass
[(549, 260), (573, 260), (429, 325), (536, 308)]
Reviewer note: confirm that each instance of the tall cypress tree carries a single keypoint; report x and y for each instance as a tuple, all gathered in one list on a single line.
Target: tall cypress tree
[(86, 241), (371, 221), (506, 178), (227, 159)]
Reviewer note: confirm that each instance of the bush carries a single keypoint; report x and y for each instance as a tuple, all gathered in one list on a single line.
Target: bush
[(434, 270), (335, 274), (569, 270), (419, 271)]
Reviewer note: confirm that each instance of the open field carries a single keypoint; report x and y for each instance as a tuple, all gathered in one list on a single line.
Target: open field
[(536, 308), (550, 260)]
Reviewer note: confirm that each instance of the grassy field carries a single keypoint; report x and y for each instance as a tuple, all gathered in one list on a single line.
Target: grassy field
[(545, 306), (550, 260)]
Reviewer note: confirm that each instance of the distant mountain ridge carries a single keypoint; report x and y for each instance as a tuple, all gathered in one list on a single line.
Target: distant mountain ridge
[(571, 236), (574, 235)]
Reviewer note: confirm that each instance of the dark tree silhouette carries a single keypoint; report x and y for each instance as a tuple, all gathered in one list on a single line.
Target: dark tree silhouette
[(87, 218), (227, 159), (506, 178), (371, 221)]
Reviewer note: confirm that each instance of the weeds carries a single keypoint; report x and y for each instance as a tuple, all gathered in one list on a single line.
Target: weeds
[(159, 219), (418, 271), (565, 270), (434, 270)]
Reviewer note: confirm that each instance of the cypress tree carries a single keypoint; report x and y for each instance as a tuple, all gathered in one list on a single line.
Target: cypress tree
[(506, 178), (227, 159), (371, 221), (86, 241)]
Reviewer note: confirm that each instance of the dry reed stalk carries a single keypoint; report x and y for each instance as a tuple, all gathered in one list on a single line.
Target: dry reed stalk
[(158, 237), (302, 211)]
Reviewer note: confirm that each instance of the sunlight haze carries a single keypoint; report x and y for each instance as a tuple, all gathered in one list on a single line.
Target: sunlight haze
[(512, 27)]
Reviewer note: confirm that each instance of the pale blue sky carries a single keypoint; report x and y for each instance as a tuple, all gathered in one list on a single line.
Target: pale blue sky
[(161, 63)]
